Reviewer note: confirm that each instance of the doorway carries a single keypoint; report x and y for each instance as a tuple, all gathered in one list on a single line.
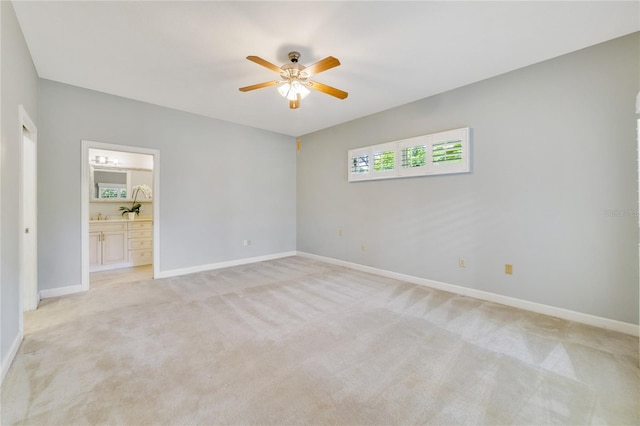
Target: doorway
[(116, 247), (28, 255)]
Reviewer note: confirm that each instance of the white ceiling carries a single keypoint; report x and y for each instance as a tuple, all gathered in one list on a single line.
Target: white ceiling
[(191, 55)]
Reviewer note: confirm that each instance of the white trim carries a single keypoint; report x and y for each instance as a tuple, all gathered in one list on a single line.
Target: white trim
[(638, 164), (553, 311), (84, 203), (61, 291), (8, 360), (225, 264), (2, 364)]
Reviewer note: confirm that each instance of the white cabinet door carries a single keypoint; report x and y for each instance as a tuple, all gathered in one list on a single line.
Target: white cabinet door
[(95, 249), (114, 247)]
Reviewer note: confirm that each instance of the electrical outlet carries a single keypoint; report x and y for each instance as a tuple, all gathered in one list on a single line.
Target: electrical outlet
[(246, 243), (339, 232), (363, 247), (508, 269), (461, 263)]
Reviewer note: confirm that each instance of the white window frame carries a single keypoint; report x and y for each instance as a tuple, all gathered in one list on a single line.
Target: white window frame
[(356, 153), (411, 142), (430, 168), (382, 148), (118, 186), (461, 135)]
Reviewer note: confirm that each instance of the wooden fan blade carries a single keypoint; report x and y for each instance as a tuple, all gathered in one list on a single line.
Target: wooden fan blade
[(327, 89), (259, 85), (323, 65), (258, 60)]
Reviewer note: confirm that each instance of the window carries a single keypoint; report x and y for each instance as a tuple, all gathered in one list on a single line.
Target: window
[(414, 156), (112, 190), (384, 160), (447, 153), (438, 153), (359, 164)]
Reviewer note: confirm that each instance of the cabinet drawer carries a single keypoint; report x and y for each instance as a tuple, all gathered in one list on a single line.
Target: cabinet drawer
[(107, 227), (140, 257), (140, 244), (140, 234), (136, 226)]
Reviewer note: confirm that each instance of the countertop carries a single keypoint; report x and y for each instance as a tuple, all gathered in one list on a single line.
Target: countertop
[(143, 219)]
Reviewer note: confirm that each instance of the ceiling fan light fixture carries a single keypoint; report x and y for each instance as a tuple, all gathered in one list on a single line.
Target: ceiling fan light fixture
[(295, 85), (290, 90)]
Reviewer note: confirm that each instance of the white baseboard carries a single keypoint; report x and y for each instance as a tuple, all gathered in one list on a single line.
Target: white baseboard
[(60, 291), (220, 265), (63, 291), (8, 359), (553, 311)]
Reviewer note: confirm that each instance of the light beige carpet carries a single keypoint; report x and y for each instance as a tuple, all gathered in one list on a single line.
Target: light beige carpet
[(296, 341)]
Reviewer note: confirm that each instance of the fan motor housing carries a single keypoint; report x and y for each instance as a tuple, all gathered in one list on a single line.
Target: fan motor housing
[(293, 71), (294, 56)]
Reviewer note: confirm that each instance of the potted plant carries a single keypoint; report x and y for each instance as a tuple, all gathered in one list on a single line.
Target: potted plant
[(134, 210)]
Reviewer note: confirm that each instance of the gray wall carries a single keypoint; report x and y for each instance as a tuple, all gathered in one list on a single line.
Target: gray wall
[(554, 151), (220, 183), (19, 85)]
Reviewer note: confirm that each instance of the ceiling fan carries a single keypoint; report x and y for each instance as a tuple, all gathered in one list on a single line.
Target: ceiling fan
[(295, 84)]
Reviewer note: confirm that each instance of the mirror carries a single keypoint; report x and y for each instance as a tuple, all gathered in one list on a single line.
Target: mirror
[(110, 184), (113, 174)]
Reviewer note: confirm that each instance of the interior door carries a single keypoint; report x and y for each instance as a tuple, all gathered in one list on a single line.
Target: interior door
[(29, 190)]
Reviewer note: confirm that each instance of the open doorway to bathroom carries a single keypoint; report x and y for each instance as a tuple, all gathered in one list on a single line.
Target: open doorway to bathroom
[(120, 205)]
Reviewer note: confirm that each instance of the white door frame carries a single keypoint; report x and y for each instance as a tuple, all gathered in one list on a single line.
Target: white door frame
[(28, 291), (638, 147), (84, 199)]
